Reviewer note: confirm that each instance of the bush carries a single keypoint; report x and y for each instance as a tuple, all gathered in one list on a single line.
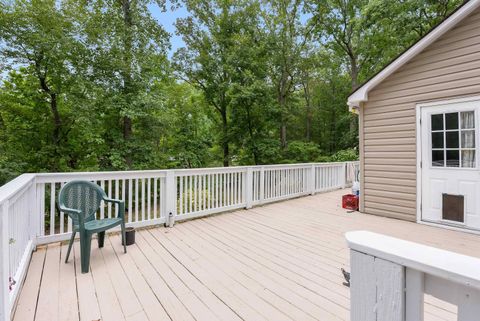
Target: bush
[(345, 155), (301, 152)]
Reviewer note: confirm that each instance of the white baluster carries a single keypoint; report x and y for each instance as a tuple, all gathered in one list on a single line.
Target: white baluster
[(130, 200), (149, 198), (52, 208)]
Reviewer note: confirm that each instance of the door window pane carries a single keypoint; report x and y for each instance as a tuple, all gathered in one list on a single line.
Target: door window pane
[(468, 139), (468, 158), (453, 158), (437, 122), (451, 121), (468, 119), (437, 158), (452, 139), (437, 140)]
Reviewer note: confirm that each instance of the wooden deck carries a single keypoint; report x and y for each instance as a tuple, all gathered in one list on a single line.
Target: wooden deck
[(277, 262)]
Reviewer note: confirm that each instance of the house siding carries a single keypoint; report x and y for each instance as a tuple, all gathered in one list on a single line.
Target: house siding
[(449, 68)]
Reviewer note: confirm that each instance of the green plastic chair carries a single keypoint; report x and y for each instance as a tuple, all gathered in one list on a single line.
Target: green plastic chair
[(81, 201)]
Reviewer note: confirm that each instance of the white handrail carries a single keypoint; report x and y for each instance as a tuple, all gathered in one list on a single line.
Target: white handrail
[(151, 197), (15, 186), (389, 277), (17, 207)]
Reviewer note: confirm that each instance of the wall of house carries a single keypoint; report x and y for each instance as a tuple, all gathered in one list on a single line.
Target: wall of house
[(449, 68)]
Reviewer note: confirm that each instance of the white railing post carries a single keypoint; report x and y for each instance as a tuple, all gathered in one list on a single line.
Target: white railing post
[(415, 288), (311, 180), (170, 198), (40, 209), (33, 210), (377, 289), (249, 188), (4, 264), (344, 174), (389, 278), (362, 287), (262, 185)]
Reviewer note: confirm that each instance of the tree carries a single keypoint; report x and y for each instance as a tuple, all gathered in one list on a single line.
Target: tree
[(366, 35), (88, 85), (288, 37), (128, 47), (307, 76), (210, 59), (38, 38)]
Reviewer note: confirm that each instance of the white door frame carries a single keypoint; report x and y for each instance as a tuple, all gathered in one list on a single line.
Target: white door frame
[(418, 130)]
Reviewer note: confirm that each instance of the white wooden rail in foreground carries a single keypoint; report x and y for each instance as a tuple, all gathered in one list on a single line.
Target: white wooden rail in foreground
[(389, 278), (29, 213)]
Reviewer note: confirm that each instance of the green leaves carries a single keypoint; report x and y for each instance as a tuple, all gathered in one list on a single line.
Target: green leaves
[(87, 85)]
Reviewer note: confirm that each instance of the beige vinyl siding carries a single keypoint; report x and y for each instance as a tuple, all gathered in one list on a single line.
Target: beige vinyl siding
[(449, 68)]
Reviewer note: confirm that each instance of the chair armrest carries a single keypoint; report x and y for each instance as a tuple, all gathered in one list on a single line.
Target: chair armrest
[(73, 213), (70, 210), (111, 200), (121, 206)]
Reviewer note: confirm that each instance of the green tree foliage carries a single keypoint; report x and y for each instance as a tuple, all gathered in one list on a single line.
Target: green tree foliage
[(127, 47), (88, 85)]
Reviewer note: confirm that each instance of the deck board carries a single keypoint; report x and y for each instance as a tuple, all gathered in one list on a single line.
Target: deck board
[(276, 262), (49, 295)]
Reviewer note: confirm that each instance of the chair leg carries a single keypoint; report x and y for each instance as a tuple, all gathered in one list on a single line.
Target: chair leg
[(101, 239), (72, 239), (85, 245), (124, 238)]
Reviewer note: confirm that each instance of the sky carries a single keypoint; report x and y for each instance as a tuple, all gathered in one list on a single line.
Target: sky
[(167, 20)]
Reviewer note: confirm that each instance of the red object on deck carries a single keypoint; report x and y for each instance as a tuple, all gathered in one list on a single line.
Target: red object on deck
[(350, 202)]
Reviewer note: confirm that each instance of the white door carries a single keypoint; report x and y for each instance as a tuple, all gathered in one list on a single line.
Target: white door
[(450, 167)]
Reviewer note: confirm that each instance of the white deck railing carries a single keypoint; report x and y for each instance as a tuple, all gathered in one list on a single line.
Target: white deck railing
[(29, 215), (389, 278)]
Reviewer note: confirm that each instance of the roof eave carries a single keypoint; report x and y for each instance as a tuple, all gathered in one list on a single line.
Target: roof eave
[(357, 98)]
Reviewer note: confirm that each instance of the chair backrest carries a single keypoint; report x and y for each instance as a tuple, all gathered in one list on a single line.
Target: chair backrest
[(81, 195)]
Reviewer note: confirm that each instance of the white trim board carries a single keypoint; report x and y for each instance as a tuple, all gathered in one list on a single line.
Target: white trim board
[(361, 94)]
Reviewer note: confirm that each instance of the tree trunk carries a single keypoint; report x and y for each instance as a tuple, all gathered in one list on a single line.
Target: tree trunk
[(283, 134), (127, 73), (308, 105), (127, 128), (282, 101), (226, 151), (354, 69), (283, 122), (354, 72), (252, 138), (57, 120)]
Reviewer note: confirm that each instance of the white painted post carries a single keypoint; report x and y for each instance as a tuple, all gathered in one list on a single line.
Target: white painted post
[(414, 287), (32, 213), (311, 187), (390, 290), (41, 208), (363, 297), (249, 188), (4, 264), (344, 175), (170, 198), (468, 307), (376, 289), (262, 184)]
